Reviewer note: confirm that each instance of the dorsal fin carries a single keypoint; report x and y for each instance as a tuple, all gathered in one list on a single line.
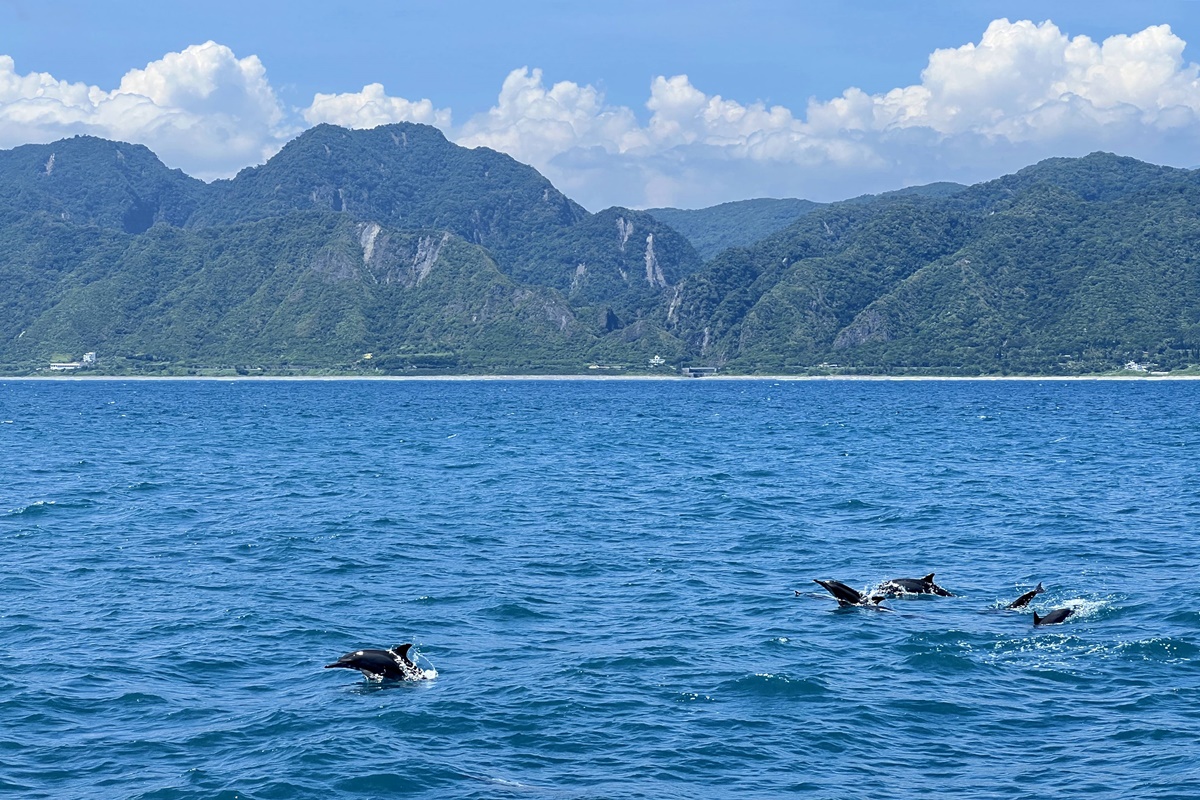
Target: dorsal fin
[(928, 578), (1039, 587), (401, 650), (1036, 619)]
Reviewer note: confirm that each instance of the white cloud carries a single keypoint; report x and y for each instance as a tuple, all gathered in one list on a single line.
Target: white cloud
[(534, 124), (1026, 82), (371, 108), (203, 110), (1023, 92)]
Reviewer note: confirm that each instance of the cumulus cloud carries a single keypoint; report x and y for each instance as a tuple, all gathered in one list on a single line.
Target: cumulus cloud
[(1025, 81), (1024, 91), (534, 124), (202, 109), (371, 108)]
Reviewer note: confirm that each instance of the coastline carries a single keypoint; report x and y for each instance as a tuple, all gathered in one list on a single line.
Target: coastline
[(680, 378)]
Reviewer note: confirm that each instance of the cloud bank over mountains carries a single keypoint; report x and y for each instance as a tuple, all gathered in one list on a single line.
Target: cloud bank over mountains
[(1025, 91)]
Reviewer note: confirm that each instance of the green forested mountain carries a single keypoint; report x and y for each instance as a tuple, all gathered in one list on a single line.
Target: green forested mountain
[(743, 222), (90, 181), (391, 241), (409, 177), (1071, 265), (396, 243), (403, 176), (737, 224)]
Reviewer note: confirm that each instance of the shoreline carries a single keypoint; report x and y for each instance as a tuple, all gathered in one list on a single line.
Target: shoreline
[(708, 378)]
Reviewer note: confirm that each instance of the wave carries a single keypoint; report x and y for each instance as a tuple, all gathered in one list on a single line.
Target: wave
[(772, 685), (610, 605), (514, 610), (1164, 650), (33, 509)]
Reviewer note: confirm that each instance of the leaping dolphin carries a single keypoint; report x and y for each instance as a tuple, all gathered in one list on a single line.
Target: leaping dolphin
[(1024, 599), (845, 595), (1054, 617), (899, 586), (378, 665)]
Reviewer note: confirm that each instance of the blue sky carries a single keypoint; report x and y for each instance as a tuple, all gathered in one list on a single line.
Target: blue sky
[(629, 103)]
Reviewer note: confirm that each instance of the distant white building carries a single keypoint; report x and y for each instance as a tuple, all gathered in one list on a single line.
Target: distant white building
[(89, 360)]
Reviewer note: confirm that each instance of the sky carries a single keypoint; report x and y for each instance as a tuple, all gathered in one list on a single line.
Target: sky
[(637, 103)]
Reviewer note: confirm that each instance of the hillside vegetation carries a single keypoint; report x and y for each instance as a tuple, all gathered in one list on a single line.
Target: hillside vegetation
[(393, 250)]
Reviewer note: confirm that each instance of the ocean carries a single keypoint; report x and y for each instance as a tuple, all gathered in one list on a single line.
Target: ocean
[(613, 581)]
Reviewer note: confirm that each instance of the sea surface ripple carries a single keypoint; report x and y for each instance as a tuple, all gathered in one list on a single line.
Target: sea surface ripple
[(613, 580)]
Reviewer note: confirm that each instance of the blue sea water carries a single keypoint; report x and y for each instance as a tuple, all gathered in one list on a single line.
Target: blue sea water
[(604, 575)]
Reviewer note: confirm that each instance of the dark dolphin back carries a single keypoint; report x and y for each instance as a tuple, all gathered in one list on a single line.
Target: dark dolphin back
[(934, 588), (845, 595), (1024, 599), (377, 662), (897, 586), (1053, 617)]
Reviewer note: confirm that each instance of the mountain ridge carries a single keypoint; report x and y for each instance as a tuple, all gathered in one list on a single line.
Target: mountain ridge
[(393, 249)]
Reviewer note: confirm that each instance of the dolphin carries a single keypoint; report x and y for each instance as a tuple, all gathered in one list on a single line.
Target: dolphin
[(898, 586), (1054, 617), (378, 665), (1024, 599), (846, 595)]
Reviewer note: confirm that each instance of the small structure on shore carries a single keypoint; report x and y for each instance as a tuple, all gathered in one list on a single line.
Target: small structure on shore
[(89, 360), (698, 372)]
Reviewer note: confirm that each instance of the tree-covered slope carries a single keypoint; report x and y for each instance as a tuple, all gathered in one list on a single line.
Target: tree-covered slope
[(1069, 265), (782, 302), (409, 177), (1051, 283), (202, 279), (309, 289), (737, 224), (405, 176), (92, 181), (615, 266), (398, 244)]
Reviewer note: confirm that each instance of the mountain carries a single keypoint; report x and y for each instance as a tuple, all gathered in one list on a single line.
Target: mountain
[(737, 224), (1070, 265), (184, 262), (305, 290), (394, 250), (409, 177), (90, 181), (403, 176), (741, 223)]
